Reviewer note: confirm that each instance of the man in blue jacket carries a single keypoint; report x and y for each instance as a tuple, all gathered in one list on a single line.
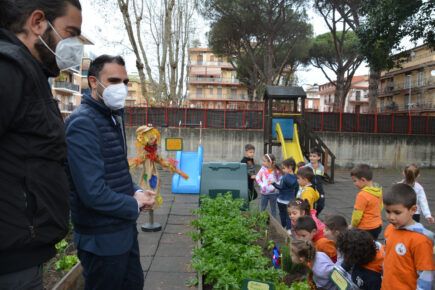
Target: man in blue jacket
[(105, 202)]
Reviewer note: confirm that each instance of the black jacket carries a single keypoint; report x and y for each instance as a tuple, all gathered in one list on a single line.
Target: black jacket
[(34, 209)]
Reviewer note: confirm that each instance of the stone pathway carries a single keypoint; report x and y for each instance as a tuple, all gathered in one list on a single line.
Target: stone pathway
[(166, 255)]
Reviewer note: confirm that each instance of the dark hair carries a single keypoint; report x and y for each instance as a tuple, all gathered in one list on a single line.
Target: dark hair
[(357, 247), (362, 171), (400, 193), (14, 13), (300, 204), (289, 163), (336, 223), (97, 64), (270, 157), (306, 172), (316, 150), (249, 147), (300, 164), (411, 172), (304, 249), (305, 223)]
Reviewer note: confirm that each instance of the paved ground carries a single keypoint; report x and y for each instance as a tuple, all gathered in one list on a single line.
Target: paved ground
[(340, 196), (166, 255)]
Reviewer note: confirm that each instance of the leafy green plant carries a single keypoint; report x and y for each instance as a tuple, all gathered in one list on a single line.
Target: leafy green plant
[(65, 263), (229, 253)]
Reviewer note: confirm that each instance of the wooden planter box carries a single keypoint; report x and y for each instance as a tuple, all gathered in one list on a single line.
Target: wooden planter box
[(73, 280), (273, 223)]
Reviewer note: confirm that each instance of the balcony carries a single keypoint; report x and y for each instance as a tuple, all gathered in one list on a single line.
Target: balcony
[(201, 97), (222, 64), (67, 107), (391, 88), (66, 87), (419, 106), (220, 81)]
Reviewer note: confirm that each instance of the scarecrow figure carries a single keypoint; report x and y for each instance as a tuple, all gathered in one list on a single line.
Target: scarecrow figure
[(147, 142)]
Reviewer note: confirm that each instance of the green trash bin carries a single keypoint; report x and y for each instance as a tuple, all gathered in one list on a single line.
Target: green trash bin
[(225, 177)]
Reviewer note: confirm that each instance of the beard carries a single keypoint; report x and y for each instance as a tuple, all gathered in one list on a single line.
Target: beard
[(48, 59)]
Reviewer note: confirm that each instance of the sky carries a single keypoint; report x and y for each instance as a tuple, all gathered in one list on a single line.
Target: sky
[(101, 33)]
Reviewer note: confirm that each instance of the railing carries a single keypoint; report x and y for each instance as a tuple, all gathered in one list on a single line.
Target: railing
[(203, 97), (415, 85), (212, 63), (421, 106), (66, 85), (309, 139), (382, 123), (214, 80)]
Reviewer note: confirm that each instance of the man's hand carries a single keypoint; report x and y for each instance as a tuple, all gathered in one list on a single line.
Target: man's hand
[(430, 219), (252, 176), (145, 199)]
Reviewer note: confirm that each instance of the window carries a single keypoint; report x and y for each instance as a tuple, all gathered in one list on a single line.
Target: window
[(198, 92), (407, 83), (310, 104), (234, 93), (420, 78), (357, 95), (210, 91), (212, 58), (219, 91), (199, 58)]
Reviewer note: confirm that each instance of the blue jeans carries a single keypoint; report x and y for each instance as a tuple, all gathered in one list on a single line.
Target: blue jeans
[(271, 198), (283, 215), (112, 272)]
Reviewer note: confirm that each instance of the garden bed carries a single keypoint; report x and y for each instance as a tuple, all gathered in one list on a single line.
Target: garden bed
[(63, 271), (239, 245)]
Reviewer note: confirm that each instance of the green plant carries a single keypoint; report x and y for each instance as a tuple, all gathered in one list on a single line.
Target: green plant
[(66, 262), (286, 259), (228, 253)]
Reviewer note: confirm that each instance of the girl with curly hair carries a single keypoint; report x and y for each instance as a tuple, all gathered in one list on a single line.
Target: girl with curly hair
[(362, 258)]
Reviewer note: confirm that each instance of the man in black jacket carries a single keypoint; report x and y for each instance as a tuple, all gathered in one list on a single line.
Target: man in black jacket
[(37, 39)]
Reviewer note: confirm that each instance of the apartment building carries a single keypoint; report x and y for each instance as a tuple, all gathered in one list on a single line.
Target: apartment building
[(411, 86), (356, 100), (66, 89), (212, 81), (312, 102)]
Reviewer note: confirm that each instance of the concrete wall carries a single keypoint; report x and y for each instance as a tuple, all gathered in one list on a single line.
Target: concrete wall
[(378, 150)]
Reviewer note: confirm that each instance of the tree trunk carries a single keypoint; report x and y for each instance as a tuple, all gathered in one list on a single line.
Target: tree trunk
[(340, 91), (374, 79)]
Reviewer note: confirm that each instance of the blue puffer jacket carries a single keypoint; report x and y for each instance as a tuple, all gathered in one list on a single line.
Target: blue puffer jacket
[(102, 188)]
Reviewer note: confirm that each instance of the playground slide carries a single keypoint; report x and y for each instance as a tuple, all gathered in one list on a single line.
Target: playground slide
[(191, 164), (290, 148)]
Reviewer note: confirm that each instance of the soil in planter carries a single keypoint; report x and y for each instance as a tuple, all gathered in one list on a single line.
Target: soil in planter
[(51, 276)]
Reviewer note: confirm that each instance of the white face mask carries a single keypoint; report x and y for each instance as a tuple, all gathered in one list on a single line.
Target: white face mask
[(69, 51), (114, 96)]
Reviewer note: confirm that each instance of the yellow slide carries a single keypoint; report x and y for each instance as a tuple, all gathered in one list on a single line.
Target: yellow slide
[(290, 148)]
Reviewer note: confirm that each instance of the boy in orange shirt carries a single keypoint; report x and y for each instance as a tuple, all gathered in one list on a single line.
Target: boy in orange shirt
[(408, 262), (306, 229), (368, 203)]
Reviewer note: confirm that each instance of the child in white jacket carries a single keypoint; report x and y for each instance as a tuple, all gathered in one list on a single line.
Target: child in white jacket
[(411, 174), (265, 178)]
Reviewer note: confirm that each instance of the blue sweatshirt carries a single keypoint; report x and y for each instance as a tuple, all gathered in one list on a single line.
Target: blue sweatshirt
[(288, 187)]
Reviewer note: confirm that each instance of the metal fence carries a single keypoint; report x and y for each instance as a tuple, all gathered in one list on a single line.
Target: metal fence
[(390, 123)]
